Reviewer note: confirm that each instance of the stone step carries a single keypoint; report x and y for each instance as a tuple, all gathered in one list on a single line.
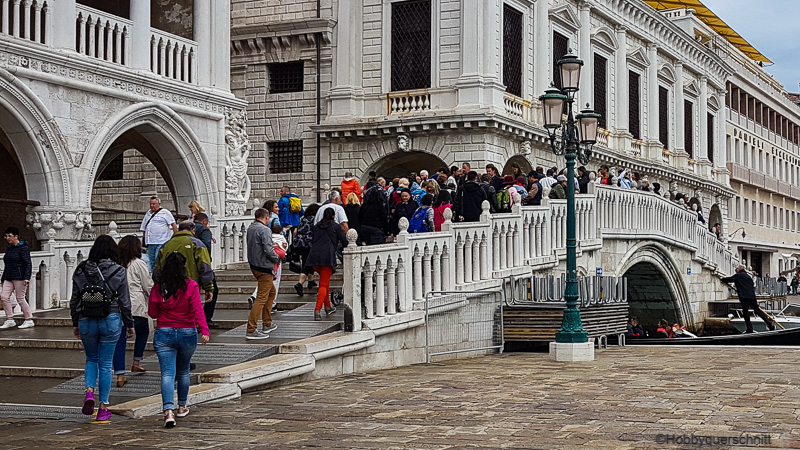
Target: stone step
[(246, 275)]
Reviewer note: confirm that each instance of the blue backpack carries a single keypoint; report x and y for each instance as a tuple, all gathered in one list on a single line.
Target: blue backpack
[(418, 223)]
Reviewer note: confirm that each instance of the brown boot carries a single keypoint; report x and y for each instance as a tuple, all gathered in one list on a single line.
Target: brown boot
[(330, 310), (136, 367), (317, 315)]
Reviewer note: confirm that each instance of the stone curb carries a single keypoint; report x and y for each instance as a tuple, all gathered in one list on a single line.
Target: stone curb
[(331, 344), (199, 393)]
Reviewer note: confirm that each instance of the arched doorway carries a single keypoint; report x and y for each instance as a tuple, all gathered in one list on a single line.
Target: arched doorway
[(714, 216), (14, 198), (401, 164), (521, 161)]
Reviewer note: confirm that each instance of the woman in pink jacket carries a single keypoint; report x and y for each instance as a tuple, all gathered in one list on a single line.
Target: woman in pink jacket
[(176, 305)]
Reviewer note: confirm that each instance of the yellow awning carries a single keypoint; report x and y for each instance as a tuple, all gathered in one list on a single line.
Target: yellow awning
[(713, 22)]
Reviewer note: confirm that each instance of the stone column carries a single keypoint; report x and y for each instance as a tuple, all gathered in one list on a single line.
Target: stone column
[(62, 30), (679, 108), (202, 35), (654, 147), (541, 56), (584, 52), (479, 84), (720, 132), (621, 82), (140, 35), (347, 94), (702, 113)]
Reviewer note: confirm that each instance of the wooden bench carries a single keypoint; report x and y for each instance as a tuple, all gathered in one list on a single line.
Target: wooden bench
[(540, 323)]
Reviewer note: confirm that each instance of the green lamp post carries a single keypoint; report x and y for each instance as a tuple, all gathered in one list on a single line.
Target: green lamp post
[(578, 135)]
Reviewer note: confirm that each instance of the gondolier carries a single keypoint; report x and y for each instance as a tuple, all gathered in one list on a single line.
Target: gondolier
[(747, 298)]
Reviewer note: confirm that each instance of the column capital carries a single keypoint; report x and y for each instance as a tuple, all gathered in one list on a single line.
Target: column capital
[(58, 223)]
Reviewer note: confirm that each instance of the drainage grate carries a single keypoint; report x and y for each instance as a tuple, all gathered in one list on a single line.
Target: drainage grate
[(140, 385), (226, 354), (70, 413)]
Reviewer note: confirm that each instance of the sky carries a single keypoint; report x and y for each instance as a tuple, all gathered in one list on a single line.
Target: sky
[(771, 27)]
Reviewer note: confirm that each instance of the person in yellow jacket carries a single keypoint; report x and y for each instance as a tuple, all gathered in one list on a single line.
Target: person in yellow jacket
[(350, 185), (198, 260)]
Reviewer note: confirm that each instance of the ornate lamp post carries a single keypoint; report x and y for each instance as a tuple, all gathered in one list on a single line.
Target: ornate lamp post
[(576, 140)]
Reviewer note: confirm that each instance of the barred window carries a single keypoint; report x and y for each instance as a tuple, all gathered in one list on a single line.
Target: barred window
[(560, 48), (688, 128), (663, 116), (512, 50), (634, 115), (286, 157), (710, 132), (114, 170), (600, 93), (411, 45), (285, 77)]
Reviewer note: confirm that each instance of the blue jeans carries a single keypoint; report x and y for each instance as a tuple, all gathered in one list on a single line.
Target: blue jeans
[(142, 328), (174, 347), (99, 337), (152, 255)]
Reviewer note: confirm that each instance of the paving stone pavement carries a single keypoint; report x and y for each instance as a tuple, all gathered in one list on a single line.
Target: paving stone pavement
[(632, 397)]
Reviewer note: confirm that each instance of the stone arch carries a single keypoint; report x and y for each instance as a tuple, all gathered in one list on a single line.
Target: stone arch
[(653, 272), (29, 126), (401, 164), (162, 131), (714, 216), (523, 162)]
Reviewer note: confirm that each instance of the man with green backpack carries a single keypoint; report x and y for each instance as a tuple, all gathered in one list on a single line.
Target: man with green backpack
[(504, 199)]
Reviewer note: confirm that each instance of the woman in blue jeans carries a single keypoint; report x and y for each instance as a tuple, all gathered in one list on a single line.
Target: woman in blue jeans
[(99, 325), (140, 283), (176, 305)]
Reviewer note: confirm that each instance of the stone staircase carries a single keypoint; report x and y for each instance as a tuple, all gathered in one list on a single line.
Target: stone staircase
[(42, 367)]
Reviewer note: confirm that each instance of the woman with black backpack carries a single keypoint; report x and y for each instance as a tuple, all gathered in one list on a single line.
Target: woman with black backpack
[(100, 307)]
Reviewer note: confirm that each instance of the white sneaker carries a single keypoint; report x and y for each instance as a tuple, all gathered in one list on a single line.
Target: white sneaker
[(27, 324), (8, 324)]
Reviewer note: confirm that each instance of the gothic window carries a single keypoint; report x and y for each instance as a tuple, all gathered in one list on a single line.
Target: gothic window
[(688, 128), (411, 45), (663, 116), (512, 50), (710, 132), (600, 94), (285, 77), (560, 48), (114, 170), (286, 157), (634, 116)]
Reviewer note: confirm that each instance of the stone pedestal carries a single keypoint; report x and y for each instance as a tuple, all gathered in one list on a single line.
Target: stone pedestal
[(60, 224), (572, 352)]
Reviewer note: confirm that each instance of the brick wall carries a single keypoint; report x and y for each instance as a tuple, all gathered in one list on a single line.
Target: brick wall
[(140, 181), (249, 12)]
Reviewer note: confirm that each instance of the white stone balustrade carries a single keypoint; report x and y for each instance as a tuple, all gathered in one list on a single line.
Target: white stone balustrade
[(407, 102), (517, 107), (102, 35), (173, 56), (231, 245), (25, 19)]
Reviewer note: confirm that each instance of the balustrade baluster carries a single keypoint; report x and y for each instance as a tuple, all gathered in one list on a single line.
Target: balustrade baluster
[(366, 286), (380, 301), (237, 242), (483, 257), (526, 238), (417, 275), (537, 238), (6, 22), (495, 248), (26, 27), (517, 247), (16, 24), (509, 247), (403, 303), (447, 284), (101, 41), (502, 248), (459, 261), (436, 262), (426, 271), (476, 257), (391, 277), (468, 258)]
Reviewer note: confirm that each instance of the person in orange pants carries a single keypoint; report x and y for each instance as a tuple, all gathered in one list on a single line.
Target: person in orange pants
[(327, 238)]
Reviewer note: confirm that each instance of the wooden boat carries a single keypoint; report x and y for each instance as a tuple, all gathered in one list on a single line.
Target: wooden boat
[(788, 317), (789, 336)]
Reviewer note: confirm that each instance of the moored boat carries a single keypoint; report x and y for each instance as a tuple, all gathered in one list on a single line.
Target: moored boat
[(789, 336)]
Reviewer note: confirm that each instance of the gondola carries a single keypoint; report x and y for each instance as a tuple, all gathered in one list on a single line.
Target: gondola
[(789, 336)]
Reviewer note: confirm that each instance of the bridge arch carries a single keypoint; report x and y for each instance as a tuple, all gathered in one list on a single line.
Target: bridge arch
[(524, 165), (161, 135), (656, 289)]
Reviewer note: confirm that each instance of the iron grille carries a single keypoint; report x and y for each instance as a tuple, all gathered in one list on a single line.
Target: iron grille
[(411, 45), (114, 170), (710, 128), (560, 48), (600, 94), (285, 77), (688, 128), (512, 50), (634, 115), (286, 157), (663, 116)]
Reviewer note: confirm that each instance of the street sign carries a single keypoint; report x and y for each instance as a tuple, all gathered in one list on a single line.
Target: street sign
[(599, 271), (688, 271)]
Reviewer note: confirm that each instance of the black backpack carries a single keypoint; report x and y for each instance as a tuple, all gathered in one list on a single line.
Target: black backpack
[(95, 299)]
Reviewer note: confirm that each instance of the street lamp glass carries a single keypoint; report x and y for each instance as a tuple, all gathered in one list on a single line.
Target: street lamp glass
[(570, 67), (552, 107), (587, 128)]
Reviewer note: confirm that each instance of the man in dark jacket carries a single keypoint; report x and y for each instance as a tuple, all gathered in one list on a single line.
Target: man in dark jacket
[(202, 232), (469, 197), (747, 297), (262, 258), (496, 181)]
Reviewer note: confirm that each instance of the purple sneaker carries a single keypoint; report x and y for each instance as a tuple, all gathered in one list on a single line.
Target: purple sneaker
[(88, 404), (103, 415)]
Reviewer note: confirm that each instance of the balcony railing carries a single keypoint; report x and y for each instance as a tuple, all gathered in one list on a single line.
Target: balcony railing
[(102, 35), (517, 107), (173, 56), (407, 102), (25, 20)]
